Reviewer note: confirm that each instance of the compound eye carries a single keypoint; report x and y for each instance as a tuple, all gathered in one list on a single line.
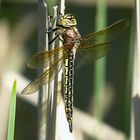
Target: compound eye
[(69, 16)]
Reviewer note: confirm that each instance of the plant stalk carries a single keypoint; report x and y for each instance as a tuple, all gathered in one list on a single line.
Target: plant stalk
[(100, 65), (43, 46)]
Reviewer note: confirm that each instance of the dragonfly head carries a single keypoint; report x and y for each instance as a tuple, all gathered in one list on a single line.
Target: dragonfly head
[(67, 21)]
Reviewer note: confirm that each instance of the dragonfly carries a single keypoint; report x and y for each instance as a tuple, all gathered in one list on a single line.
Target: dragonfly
[(75, 52)]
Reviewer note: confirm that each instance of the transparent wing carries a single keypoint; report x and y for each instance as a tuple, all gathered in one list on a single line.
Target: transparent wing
[(44, 78), (105, 35), (44, 58), (98, 44), (89, 54)]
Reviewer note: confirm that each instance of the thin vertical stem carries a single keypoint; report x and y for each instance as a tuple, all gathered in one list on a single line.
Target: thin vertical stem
[(100, 65), (56, 83), (136, 68), (50, 105), (62, 6), (52, 94), (137, 50), (128, 87), (42, 47)]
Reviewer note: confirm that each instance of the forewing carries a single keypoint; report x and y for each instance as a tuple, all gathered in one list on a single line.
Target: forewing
[(96, 45), (105, 35), (44, 58), (89, 54), (44, 78)]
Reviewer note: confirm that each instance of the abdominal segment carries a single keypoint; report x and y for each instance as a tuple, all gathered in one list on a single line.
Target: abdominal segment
[(68, 95)]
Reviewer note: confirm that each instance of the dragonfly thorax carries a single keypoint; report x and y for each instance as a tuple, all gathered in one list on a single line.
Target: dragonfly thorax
[(70, 36), (68, 31)]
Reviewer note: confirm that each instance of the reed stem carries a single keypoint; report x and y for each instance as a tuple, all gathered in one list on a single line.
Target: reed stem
[(100, 65), (43, 46), (136, 73)]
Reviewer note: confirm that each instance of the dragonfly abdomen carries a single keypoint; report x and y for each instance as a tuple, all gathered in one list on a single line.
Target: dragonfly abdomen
[(68, 96)]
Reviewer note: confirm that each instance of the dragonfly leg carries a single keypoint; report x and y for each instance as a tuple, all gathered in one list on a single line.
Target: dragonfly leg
[(52, 30), (61, 39), (51, 20), (50, 24), (50, 42)]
